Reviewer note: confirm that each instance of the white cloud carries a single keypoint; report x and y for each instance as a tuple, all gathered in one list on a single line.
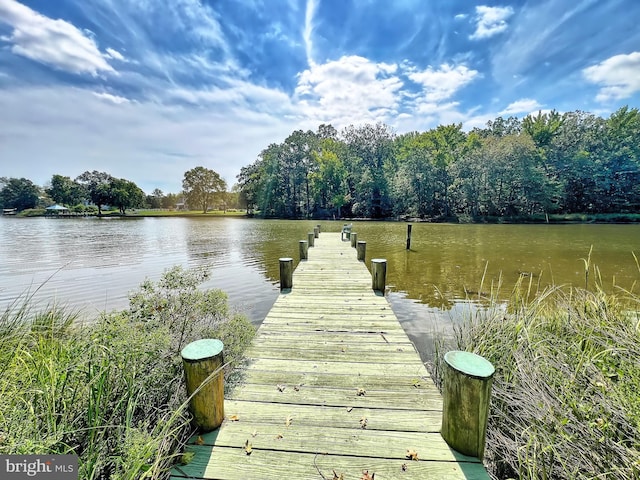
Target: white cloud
[(54, 42), (149, 143), (490, 21), (444, 82), (460, 16), (521, 106), (312, 6), (351, 89), (111, 98), (618, 76), (116, 55)]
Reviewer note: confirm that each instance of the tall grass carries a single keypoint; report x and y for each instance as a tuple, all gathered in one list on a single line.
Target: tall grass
[(565, 401), (110, 391)]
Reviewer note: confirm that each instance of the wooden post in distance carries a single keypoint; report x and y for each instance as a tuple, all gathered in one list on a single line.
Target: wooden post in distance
[(286, 273), (304, 249), (361, 249), (199, 360), (310, 237), (378, 274), (316, 231), (409, 237), (354, 239)]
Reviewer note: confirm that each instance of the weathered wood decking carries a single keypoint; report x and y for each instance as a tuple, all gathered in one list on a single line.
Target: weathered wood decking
[(333, 387)]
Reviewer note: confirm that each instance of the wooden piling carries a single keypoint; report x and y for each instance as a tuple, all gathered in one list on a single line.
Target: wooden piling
[(318, 228), (316, 232), (354, 239), (200, 359), (466, 394), (286, 273), (304, 249), (361, 250), (310, 237), (378, 274), (409, 237)]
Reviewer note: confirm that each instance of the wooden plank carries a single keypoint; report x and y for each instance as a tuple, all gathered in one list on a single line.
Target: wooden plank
[(354, 441), (232, 463), (337, 417), (313, 379), (354, 369), (341, 397)]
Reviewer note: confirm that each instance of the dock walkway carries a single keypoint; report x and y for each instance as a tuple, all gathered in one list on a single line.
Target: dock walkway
[(333, 390)]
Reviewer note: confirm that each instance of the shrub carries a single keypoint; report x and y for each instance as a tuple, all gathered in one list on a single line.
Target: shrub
[(564, 402), (110, 391)]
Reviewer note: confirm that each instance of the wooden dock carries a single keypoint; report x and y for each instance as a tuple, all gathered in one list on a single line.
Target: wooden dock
[(333, 390)]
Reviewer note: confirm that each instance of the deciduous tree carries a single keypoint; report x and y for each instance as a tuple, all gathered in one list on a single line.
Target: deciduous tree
[(201, 185)]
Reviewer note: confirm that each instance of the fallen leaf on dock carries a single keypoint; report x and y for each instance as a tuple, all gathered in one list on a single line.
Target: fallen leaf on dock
[(363, 422), (248, 448), (336, 477), (349, 409), (361, 392), (255, 432), (287, 422), (281, 387), (367, 476), (411, 454), (200, 440), (404, 467), (234, 418), (279, 436)]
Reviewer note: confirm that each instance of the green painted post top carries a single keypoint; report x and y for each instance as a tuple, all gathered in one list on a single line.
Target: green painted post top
[(201, 349), (470, 364)]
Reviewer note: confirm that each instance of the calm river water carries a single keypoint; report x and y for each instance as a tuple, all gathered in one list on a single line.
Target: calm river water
[(92, 264)]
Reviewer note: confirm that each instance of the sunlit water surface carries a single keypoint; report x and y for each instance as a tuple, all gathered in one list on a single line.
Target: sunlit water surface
[(92, 264)]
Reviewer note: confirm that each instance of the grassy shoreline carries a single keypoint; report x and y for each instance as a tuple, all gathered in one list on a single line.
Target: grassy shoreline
[(565, 400), (110, 391)]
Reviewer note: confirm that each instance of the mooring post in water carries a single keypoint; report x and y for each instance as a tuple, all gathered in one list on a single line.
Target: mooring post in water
[(378, 274), (409, 237), (202, 361), (316, 231), (354, 239), (286, 273), (466, 394), (361, 250), (310, 237), (304, 249), (318, 228)]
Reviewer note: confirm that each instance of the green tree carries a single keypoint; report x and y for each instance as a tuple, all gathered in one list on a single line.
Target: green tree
[(65, 191), (97, 187), (125, 194), (19, 193), (201, 186)]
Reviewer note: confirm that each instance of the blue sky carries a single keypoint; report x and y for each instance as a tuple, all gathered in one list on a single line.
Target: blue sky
[(147, 89)]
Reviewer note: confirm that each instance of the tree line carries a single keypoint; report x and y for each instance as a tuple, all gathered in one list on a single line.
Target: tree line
[(202, 188), (574, 162)]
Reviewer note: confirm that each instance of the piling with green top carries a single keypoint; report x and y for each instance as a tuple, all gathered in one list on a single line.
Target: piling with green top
[(466, 394), (202, 361)]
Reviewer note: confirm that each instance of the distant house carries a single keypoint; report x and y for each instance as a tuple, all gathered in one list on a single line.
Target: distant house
[(9, 211)]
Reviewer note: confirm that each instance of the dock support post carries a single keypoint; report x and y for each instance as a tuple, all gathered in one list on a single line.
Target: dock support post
[(304, 249), (316, 232), (318, 228), (310, 237), (378, 274), (466, 394), (354, 239), (201, 359), (361, 249), (409, 236), (286, 273)]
